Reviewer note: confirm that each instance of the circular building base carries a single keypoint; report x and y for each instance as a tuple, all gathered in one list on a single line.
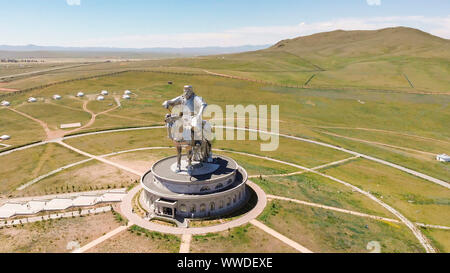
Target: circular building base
[(218, 189), (126, 208)]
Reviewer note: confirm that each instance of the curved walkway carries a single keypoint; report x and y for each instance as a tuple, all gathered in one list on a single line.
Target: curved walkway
[(378, 143), (381, 131), (381, 161), (384, 162), (127, 211)]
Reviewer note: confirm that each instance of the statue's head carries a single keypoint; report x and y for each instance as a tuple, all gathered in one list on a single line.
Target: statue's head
[(188, 91)]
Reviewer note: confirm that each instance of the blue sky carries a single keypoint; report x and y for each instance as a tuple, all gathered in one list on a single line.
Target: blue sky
[(191, 23)]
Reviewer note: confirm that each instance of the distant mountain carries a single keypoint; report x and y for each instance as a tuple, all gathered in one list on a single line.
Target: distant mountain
[(364, 43), (397, 58), (188, 51)]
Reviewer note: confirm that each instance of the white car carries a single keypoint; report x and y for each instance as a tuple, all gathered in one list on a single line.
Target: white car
[(80, 94), (126, 97), (104, 93), (127, 92), (56, 97), (5, 137), (99, 98), (31, 99), (6, 103)]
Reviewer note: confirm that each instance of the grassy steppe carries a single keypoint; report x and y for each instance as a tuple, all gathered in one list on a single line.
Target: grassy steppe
[(244, 239), (54, 115), (139, 240), (53, 236), (417, 199), (440, 238), (324, 231), (88, 176), (19, 128), (22, 166), (317, 189)]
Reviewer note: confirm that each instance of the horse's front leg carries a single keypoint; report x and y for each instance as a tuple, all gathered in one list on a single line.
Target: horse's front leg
[(179, 150), (190, 153)]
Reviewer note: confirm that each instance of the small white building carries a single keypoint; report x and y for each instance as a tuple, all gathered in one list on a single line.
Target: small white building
[(70, 125), (126, 97), (104, 93), (56, 97), (443, 158), (100, 98), (127, 92), (31, 99), (4, 137), (6, 103), (80, 94)]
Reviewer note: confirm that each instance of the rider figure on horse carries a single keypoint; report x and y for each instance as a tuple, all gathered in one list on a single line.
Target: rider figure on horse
[(189, 120)]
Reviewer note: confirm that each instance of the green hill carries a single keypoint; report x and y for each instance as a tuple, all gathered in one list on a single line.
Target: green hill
[(398, 41), (402, 59)]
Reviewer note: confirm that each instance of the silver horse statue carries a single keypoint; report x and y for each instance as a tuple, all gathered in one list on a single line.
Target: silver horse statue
[(186, 127)]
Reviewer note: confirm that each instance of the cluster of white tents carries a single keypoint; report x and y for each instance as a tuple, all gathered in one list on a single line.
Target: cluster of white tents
[(100, 97), (33, 99), (126, 95), (103, 93)]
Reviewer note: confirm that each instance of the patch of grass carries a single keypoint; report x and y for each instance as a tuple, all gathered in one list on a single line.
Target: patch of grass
[(52, 236), (119, 218), (317, 189), (22, 166), (88, 176), (106, 143), (18, 127), (417, 199), (243, 239), (257, 166), (439, 237), (139, 240), (324, 231), (54, 115)]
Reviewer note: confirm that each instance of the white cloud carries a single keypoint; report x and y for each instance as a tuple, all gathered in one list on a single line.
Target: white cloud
[(373, 2), (251, 35), (73, 2), (439, 26)]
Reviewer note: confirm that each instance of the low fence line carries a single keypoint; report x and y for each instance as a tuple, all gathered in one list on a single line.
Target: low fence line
[(26, 90), (297, 86)]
